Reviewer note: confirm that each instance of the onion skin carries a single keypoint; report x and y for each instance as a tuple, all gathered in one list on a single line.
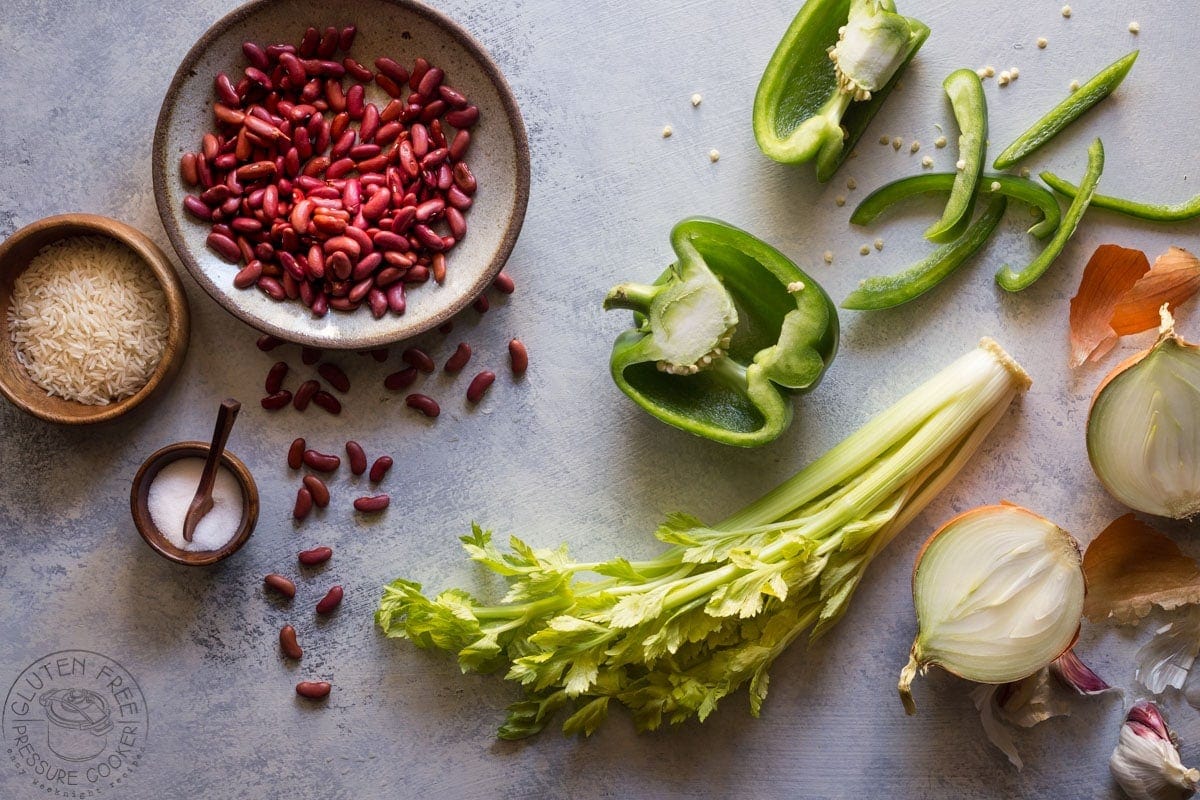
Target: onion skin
[(1167, 337), (919, 661)]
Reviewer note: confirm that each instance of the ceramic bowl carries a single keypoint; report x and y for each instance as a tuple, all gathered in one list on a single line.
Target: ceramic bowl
[(399, 29), (15, 254), (139, 497)]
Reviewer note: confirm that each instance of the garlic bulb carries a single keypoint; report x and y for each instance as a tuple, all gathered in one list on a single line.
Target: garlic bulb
[(1143, 433), (1146, 761), (999, 595)]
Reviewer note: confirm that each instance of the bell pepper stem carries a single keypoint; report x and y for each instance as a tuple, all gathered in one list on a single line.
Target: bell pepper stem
[(635, 297)]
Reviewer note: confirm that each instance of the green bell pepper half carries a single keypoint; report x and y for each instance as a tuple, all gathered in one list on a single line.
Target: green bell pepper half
[(806, 105), (724, 336)]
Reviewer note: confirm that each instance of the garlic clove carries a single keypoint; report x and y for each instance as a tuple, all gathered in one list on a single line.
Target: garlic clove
[(999, 595), (1074, 674), (1143, 433), (1146, 761)]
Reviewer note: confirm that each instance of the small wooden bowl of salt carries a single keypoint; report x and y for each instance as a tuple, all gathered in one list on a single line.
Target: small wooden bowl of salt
[(163, 489), (94, 319)]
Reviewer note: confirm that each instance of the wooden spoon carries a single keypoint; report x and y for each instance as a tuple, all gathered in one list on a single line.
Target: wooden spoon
[(202, 503)]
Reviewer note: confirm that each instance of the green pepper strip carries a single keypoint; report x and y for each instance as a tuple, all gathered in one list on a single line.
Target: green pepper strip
[(799, 84), (965, 91), (1013, 281), (1151, 212), (1066, 112), (1015, 188), (888, 291)]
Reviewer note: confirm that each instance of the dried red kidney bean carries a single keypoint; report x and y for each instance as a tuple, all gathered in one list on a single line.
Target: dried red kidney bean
[(462, 354), (418, 358), (423, 403), (401, 380), (357, 457), (275, 376), (315, 556), (318, 490), (305, 393), (321, 462), (285, 586), (295, 456), (380, 354), (372, 505), (310, 355), (479, 385), (276, 401), (380, 468), (328, 402), (313, 690), (519, 356), (304, 503), (335, 376), (331, 600), (288, 644), (481, 304), (504, 283)]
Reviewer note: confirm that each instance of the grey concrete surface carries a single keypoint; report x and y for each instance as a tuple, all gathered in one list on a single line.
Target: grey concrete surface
[(563, 455)]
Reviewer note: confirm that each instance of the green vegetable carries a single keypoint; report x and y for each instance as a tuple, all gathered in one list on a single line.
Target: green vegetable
[(1151, 212), (1066, 112), (893, 290), (965, 91), (828, 78), (1010, 186), (724, 336), (1013, 281), (671, 636)]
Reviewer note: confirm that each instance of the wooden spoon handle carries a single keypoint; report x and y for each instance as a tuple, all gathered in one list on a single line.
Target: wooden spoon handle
[(226, 416)]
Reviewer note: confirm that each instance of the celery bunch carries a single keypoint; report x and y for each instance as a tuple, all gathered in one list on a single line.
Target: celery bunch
[(670, 637)]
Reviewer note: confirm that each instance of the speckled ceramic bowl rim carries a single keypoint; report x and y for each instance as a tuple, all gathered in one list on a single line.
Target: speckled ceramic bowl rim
[(66, 226), (139, 492), (508, 241)]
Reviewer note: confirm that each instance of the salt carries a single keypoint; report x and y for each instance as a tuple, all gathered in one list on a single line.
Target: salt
[(171, 494)]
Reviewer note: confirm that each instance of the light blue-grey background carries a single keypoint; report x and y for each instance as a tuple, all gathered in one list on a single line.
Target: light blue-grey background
[(563, 455)]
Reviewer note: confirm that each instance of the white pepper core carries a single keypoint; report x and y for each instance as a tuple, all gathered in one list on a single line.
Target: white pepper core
[(696, 98), (714, 156), (1042, 42), (828, 256), (914, 147), (879, 244), (1066, 11), (667, 131), (897, 143), (939, 142), (1135, 28), (926, 162), (865, 250), (839, 201)]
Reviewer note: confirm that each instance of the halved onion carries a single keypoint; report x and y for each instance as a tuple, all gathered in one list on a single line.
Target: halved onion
[(999, 595), (1143, 433)]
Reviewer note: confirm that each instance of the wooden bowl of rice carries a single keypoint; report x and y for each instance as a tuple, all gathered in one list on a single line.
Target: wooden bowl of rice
[(95, 319)]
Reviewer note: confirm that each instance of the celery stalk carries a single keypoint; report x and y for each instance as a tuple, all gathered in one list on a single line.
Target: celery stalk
[(671, 636)]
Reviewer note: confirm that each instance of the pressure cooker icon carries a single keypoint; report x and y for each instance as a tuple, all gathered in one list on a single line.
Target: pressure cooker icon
[(78, 722)]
